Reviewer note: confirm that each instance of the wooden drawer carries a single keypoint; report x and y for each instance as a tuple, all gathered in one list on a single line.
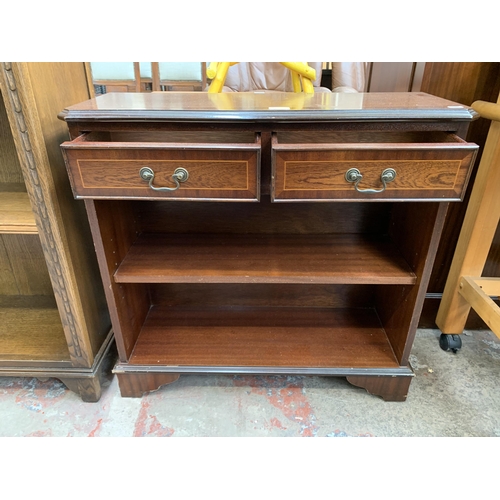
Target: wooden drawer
[(370, 166), (108, 165)]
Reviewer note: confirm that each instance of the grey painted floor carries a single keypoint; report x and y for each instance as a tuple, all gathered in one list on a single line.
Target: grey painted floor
[(451, 395)]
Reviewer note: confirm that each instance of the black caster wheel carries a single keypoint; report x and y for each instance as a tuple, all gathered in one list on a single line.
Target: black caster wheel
[(450, 342)]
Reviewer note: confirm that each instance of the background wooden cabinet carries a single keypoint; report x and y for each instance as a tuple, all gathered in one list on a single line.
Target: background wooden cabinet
[(394, 76), (53, 317)]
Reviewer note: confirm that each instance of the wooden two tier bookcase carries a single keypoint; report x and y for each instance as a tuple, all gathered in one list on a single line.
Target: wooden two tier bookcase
[(267, 233)]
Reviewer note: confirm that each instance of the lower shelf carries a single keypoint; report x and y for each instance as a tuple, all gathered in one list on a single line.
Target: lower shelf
[(304, 338)]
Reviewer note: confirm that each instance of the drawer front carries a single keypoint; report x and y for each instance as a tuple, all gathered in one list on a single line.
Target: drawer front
[(372, 172), (114, 171)]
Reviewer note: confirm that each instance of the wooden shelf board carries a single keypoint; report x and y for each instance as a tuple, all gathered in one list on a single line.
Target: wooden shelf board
[(16, 215), (266, 258), (31, 330), (265, 336)]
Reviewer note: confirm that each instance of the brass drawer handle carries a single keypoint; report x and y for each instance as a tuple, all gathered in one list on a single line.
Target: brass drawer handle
[(354, 175), (179, 175)]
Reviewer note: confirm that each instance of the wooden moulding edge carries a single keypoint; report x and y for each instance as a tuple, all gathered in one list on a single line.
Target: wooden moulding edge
[(402, 371)]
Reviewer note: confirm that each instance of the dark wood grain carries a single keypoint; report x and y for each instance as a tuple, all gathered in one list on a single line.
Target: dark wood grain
[(271, 107), (208, 258), (325, 288), (234, 336), (323, 139), (388, 388), (263, 295), (229, 137), (461, 81), (135, 385), (264, 217), (113, 236), (231, 173), (416, 230), (423, 171)]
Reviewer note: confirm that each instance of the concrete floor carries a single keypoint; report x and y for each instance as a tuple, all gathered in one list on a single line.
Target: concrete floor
[(451, 395)]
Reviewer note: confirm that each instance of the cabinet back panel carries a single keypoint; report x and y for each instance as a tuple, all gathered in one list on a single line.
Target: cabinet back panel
[(263, 295), (187, 137), (263, 217), (23, 267), (10, 170)]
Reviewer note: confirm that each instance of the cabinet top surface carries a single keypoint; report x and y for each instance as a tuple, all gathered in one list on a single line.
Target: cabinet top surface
[(266, 106)]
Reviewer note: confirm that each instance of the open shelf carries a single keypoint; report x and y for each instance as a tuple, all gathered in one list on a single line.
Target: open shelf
[(265, 258), (263, 336), (16, 215), (31, 330)]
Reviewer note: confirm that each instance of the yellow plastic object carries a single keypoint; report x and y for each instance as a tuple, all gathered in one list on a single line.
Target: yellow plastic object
[(302, 69), (297, 87), (302, 76), (220, 78), (212, 70), (307, 85)]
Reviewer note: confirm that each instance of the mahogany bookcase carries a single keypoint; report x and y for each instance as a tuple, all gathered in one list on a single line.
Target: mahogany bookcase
[(267, 233)]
